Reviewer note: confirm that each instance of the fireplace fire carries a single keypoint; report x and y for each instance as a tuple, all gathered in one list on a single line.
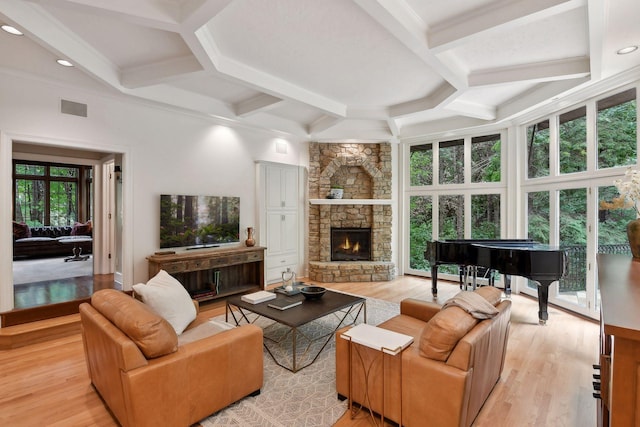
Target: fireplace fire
[(350, 244)]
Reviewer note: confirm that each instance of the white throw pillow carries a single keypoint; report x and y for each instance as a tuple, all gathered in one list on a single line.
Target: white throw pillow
[(167, 297)]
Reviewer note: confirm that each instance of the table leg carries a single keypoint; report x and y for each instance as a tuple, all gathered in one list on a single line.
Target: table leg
[(77, 254), (293, 346)]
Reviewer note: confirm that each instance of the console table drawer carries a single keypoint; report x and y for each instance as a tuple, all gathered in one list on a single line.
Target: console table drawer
[(254, 256), (243, 258), (219, 262), (174, 267), (199, 264)]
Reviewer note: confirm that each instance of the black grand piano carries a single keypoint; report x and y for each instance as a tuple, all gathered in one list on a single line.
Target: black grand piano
[(519, 257)]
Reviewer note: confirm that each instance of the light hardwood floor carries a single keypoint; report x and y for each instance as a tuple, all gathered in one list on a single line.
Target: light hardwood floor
[(546, 379)]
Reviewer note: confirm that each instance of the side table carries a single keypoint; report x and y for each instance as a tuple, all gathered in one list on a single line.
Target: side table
[(386, 342), (77, 250)]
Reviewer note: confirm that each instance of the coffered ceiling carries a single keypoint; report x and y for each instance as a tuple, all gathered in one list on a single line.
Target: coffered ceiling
[(328, 69)]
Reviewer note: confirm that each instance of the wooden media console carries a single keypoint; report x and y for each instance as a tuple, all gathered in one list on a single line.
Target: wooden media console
[(214, 273)]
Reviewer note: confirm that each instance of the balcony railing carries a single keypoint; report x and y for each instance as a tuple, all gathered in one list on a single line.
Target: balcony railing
[(574, 278)]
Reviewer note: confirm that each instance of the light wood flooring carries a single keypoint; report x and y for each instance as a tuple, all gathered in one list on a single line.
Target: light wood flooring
[(546, 380)]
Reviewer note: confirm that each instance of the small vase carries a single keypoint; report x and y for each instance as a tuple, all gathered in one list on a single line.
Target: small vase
[(633, 234), (250, 240)]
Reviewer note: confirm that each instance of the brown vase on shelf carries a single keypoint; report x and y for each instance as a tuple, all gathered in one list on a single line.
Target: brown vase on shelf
[(250, 240), (633, 234)]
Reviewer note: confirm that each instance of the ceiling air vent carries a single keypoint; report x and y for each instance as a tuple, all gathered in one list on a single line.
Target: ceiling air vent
[(73, 108)]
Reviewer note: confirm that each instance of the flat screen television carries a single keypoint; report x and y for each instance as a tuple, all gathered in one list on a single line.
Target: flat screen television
[(198, 221)]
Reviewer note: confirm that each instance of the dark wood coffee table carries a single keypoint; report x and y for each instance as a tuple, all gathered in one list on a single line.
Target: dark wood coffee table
[(344, 305)]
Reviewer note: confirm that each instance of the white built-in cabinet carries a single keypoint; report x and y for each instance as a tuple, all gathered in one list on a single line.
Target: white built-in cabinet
[(279, 214)]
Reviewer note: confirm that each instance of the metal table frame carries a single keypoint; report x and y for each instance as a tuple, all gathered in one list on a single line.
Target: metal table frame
[(294, 318)]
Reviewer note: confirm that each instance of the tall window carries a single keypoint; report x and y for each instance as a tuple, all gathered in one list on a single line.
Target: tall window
[(538, 216), (573, 208), (538, 150), (421, 164), (451, 162), (485, 220), (573, 141), (421, 228), (470, 211), (485, 158), (50, 194), (617, 124)]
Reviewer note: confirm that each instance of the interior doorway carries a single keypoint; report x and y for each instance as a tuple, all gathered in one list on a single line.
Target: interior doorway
[(82, 260)]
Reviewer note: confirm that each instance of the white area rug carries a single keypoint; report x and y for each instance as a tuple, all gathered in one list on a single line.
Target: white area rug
[(37, 270), (305, 399)]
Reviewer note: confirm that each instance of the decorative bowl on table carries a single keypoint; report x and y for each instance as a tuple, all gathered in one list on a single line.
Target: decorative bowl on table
[(313, 292)]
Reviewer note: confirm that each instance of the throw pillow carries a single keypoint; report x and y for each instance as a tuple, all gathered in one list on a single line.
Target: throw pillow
[(80, 229), (153, 335), (21, 230), (442, 333), (167, 297)]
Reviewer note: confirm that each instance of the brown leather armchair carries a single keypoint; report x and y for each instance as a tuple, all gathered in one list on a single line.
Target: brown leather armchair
[(444, 376), (148, 376)]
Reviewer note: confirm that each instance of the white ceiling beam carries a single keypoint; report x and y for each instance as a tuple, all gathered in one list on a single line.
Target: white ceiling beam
[(187, 100), (393, 128), (372, 113), (53, 36), (397, 14), (443, 94), (472, 109), (196, 13), (161, 15), (322, 124), (362, 132), (265, 82), (256, 104), (450, 34), (403, 23), (533, 72), (198, 50), (443, 126), (159, 72), (598, 16), (543, 93)]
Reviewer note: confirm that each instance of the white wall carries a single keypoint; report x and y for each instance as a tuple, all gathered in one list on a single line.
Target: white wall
[(165, 151)]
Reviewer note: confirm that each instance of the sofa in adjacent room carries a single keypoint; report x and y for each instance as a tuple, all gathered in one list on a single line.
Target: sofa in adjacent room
[(151, 372), (49, 241), (446, 374)]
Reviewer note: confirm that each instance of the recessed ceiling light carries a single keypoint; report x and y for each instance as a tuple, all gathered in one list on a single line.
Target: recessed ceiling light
[(11, 30), (64, 63), (626, 50)]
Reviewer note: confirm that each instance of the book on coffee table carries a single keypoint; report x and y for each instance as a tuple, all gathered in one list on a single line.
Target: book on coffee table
[(283, 304), (258, 297)]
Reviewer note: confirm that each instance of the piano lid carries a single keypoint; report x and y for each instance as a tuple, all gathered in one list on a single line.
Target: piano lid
[(529, 246)]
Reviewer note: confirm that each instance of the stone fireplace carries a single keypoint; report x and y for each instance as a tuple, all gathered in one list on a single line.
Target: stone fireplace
[(364, 172)]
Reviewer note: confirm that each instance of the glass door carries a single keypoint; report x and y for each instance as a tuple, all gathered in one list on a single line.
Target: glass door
[(572, 209)]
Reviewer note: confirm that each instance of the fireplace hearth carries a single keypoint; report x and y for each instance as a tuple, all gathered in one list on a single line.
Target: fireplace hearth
[(350, 244)]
